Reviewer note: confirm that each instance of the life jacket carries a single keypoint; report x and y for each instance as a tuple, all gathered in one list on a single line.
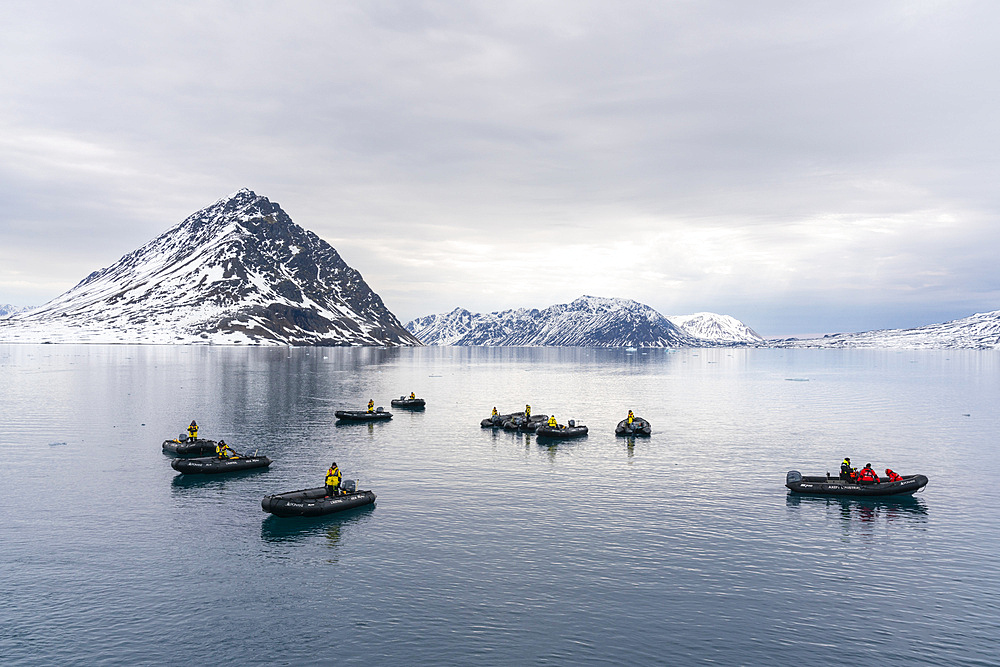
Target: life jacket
[(867, 475), (333, 477)]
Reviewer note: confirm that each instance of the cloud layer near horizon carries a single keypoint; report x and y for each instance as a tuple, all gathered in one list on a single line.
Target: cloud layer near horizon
[(801, 166)]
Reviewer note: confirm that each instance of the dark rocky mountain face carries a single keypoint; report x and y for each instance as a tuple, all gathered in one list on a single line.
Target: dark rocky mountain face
[(239, 271)]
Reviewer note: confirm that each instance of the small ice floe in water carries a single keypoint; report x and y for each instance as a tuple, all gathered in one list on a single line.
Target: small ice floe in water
[(797, 379), (56, 444)]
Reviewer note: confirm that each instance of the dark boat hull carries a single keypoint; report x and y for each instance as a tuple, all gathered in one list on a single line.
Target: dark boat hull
[(362, 416), (189, 447), (213, 465), (639, 426), (561, 433), (498, 421), (520, 424), (408, 403), (313, 502), (838, 487)]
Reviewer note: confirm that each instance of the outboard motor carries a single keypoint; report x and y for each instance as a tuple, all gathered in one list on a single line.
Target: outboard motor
[(182, 437), (572, 423), (349, 485), (378, 409), (793, 477)]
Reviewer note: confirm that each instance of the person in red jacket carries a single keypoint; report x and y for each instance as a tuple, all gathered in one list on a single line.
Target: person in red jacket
[(867, 475), (893, 477)]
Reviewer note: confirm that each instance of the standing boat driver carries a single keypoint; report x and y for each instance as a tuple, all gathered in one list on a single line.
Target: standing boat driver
[(333, 480), (527, 413), (224, 451), (630, 418), (847, 473), (495, 413), (371, 405), (193, 430)]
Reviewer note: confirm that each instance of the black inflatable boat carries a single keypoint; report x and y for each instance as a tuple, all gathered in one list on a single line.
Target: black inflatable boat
[(211, 465), (639, 426), (573, 430), (408, 403), (834, 486), (314, 502), (187, 447), (498, 421), (362, 415), (522, 424)]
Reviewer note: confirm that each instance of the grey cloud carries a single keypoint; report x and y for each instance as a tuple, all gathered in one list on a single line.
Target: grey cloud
[(755, 153)]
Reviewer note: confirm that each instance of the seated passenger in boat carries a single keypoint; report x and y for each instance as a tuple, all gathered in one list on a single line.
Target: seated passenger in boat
[(867, 475), (224, 451), (333, 480), (891, 474), (412, 396), (552, 422)]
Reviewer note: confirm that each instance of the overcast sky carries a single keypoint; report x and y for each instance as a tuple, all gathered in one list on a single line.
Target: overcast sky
[(803, 166)]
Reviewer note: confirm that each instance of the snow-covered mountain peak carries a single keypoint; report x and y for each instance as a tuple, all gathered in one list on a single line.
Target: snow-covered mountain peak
[(589, 321), (237, 271), (715, 327)]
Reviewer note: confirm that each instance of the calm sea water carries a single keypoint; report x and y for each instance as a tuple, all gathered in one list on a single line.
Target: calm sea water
[(488, 547)]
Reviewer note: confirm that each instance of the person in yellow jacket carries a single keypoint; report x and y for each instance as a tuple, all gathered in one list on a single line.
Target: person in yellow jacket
[(412, 396), (631, 417), (193, 430), (224, 451), (333, 480), (495, 413), (552, 422), (371, 405), (527, 412)]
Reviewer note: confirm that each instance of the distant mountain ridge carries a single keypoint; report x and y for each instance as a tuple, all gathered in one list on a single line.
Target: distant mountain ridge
[(977, 332), (10, 309), (236, 272), (586, 322)]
